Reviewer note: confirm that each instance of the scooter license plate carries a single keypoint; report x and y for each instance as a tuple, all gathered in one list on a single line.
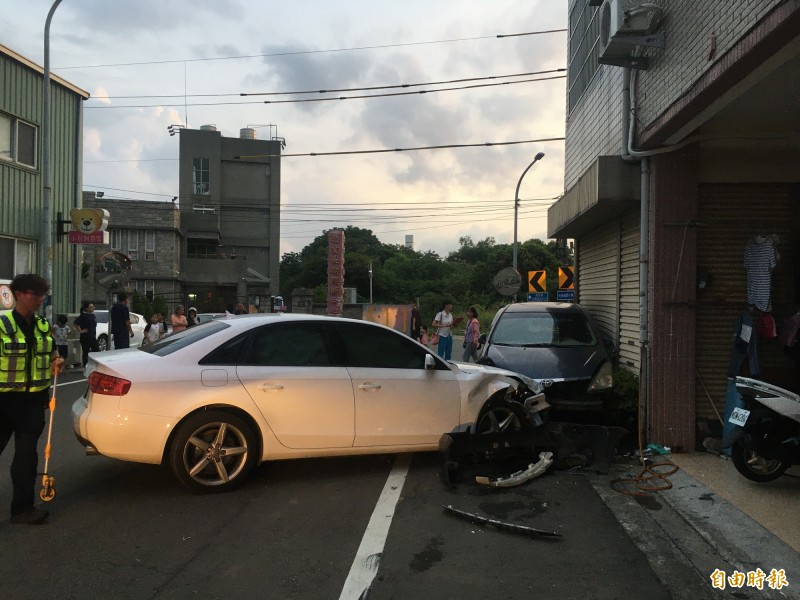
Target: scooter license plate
[(739, 416)]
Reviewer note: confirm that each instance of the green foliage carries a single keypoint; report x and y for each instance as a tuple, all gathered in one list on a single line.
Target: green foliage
[(626, 400), (400, 274)]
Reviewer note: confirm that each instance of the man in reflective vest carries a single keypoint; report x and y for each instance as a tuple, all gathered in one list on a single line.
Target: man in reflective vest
[(28, 356)]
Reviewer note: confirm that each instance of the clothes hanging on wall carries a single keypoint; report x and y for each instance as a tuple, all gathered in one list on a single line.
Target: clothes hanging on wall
[(760, 258), (745, 345)]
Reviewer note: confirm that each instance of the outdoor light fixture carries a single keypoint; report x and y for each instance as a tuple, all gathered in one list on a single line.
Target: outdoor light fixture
[(538, 157)]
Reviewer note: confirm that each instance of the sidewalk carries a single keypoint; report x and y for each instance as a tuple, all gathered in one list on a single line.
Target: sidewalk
[(712, 519)]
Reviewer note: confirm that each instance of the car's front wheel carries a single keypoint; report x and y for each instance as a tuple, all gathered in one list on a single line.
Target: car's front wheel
[(213, 451), (502, 416), (102, 343)]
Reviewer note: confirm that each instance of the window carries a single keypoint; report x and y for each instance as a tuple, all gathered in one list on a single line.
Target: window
[(377, 348), (149, 288), (200, 176), (133, 244), (201, 248), (17, 141), (584, 48), (16, 256), (149, 245), (288, 345), (116, 239)]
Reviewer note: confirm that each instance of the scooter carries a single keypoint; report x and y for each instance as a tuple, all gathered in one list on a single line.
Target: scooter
[(765, 439)]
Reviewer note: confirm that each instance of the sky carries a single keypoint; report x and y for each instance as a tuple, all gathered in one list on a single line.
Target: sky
[(150, 64)]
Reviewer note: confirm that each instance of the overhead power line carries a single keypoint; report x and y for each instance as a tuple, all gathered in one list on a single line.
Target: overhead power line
[(302, 100), (410, 149), (301, 52), (330, 91)]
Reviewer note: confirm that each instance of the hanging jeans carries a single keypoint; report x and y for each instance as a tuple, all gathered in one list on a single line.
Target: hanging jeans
[(744, 347), (732, 400)]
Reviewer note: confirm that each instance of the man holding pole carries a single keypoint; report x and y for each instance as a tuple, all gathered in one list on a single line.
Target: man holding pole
[(28, 358)]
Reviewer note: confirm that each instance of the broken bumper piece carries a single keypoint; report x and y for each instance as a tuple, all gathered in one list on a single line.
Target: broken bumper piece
[(533, 471), (494, 455), (512, 527)]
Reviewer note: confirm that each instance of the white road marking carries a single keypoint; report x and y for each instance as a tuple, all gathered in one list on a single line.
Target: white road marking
[(368, 558)]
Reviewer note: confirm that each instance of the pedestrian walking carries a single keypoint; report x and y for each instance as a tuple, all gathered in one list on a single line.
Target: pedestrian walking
[(86, 324), (28, 357), (472, 336), (120, 318)]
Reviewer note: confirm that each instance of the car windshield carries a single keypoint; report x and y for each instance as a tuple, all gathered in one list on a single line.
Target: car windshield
[(543, 329), (185, 338), (101, 316)]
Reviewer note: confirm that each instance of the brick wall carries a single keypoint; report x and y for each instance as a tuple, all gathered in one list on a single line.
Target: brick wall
[(593, 127)]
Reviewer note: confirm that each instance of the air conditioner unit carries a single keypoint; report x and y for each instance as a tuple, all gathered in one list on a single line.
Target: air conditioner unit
[(625, 24)]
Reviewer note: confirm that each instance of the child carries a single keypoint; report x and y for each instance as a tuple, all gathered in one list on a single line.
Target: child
[(60, 332), (152, 331), (423, 337)]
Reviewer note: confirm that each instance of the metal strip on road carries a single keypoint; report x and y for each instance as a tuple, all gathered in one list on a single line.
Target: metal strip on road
[(368, 557)]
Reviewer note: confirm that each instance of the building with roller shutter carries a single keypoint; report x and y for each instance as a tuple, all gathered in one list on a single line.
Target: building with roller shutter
[(682, 144)]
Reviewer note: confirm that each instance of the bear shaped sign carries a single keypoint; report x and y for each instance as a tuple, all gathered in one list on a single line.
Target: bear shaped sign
[(88, 226)]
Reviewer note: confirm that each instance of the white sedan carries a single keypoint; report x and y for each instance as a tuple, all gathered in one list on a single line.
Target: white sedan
[(214, 401)]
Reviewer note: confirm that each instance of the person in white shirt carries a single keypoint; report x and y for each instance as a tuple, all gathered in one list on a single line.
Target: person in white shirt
[(153, 331), (444, 322)]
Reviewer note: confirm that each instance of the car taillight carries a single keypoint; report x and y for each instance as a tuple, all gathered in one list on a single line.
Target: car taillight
[(109, 385)]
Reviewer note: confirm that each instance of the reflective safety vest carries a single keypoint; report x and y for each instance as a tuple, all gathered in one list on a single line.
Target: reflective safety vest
[(23, 368)]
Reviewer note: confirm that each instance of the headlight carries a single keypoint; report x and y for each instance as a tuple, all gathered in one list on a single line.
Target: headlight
[(604, 379)]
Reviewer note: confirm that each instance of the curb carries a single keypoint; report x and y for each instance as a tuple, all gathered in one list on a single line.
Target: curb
[(688, 532)]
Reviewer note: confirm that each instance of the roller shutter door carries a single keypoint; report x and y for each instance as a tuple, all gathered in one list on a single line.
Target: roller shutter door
[(731, 214), (628, 347), (598, 276)]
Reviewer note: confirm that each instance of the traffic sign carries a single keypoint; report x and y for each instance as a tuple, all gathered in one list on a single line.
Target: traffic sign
[(565, 295), (566, 278), (537, 281), (537, 297)]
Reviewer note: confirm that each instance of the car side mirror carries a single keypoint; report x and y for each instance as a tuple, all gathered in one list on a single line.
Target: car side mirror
[(430, 362), (482, 339)]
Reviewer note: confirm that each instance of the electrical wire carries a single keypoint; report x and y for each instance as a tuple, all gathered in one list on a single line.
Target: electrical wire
[(306, 100), (333, 90), (302, 52)]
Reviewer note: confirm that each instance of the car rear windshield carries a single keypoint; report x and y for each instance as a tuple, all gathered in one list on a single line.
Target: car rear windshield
[(543, 329), (185, 338)]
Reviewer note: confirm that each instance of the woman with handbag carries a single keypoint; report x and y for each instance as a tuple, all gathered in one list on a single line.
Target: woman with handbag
[(472, 336), (443, 338)]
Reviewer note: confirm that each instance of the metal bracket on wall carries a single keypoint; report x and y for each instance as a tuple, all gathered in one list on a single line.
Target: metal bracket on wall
[(60, 222)]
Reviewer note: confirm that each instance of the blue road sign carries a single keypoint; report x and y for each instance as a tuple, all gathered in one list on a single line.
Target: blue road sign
[(566, 295), (537, 297)]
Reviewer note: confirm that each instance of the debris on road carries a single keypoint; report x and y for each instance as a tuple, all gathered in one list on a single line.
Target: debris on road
[(511, 527)]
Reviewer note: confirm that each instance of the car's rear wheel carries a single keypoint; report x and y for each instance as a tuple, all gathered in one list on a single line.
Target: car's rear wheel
[(102, 343), (213, 451), (502, 416)]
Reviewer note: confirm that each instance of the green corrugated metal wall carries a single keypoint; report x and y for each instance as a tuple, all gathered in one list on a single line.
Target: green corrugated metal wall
[(21, 188)]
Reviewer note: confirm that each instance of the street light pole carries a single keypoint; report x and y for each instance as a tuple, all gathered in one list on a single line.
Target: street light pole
[(47, 177), (538, 157)]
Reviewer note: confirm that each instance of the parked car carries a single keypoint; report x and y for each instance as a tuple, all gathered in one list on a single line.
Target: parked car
[(216, 400), (206, 317), (558, 345), (138, 323)]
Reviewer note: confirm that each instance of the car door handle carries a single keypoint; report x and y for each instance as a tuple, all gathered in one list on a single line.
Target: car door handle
[(268, 387), (369, 386)]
